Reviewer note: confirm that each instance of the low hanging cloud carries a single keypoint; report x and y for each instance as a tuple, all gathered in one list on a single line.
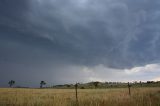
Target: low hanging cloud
[(102, 40), (143, 73)]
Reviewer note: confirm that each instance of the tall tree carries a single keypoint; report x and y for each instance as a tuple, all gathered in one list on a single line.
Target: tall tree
[(11, 83), (42, 83), (96, 84)]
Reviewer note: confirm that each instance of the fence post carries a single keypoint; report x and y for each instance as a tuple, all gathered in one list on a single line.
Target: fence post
[(129, 86), (76, 86)]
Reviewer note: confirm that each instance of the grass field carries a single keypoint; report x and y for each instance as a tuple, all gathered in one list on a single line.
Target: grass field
[(86, 97)]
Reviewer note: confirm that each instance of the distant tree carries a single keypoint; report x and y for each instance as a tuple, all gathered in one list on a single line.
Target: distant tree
[(140, 83), (148, 82), (68, 85), (42, 83), (11, 83), (96, 84), (82, 87)]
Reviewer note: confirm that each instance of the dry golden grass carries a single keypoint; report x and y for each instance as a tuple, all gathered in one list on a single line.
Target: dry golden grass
[(86, 97)]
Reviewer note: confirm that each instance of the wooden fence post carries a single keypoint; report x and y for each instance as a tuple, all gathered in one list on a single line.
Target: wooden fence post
[(129, 88), (76, 86)]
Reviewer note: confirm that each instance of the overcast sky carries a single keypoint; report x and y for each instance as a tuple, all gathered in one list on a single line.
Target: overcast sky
[(68, 41)]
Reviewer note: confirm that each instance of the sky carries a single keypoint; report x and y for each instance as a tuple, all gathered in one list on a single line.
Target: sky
[(68, 41)]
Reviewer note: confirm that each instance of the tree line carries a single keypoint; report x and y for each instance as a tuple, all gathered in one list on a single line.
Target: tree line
[(96, 84), (12, 83)]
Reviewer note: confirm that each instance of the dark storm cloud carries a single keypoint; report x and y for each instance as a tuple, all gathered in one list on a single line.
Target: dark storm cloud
[(38, 35), (115, 33)]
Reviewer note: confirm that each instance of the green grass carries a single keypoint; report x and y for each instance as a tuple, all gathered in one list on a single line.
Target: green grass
[(86, 97)]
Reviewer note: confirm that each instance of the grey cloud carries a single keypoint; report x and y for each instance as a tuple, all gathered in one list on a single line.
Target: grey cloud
[(118, 34)]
